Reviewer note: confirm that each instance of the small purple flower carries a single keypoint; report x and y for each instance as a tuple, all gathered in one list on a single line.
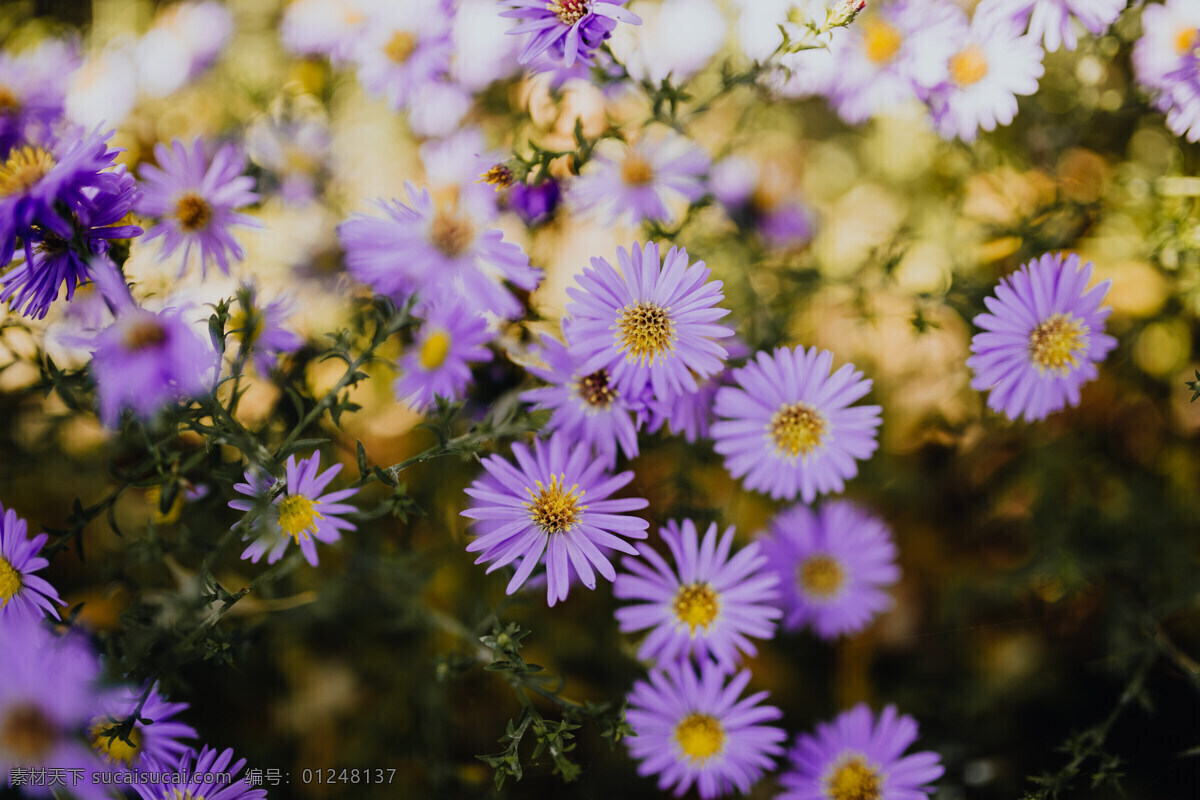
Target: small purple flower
[(708, 603), (587, 407), (833, 565), (535, 203), (300, 513), (33, 88), (440, 253), (403, 46), (1167, 64), (650, 324), (636, 183), (23, 594), (566, 29), (192, 776), (154, 746), (788, 427), (692, 729), (568, 515), (857, 756), (1051, 20), (195, 200), (259, 329), (756, 198), (1042, 339), (437, 365)]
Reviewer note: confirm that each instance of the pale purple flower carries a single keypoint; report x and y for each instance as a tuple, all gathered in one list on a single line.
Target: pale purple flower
[(757, 198), (1166, 63), (1052, 21), (555, 502), (708, 602), (690, 414), (483, 50), (295, 150), (193, 775), (154, 746), (259, 329), (33, 87), (23, 594), (323, 27), (692, 729), (402, 47), (859, 756), (1043, 336), (644, 181), (438, 363), (788, 427), (184, 42), (567, 30), (833, 564)]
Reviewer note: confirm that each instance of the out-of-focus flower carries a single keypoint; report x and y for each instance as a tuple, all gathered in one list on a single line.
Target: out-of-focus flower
[(833, 564), (1165, 62), (155, 746), (191, 777), (437, 108), (295, 150), (259, 329), (403, 46), (693, 730), (1052, 20), (857, 756), (323, 27), (195, 199), (458, 163), (788, 428), (555, 502), (33, 89), (301, 513), (709, 603), (568, 30), (676, 39), (637, 182), (1042, 339), (104, 90), (758, 198), (587, 407), (483, 50), (23, 594), (184, 42), (650, 324), (450, 339), (441, 253), (535, 203)]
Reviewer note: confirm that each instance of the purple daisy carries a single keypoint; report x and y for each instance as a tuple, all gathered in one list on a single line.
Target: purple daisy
[(195, 199), (1166, 63), (1051, 20), (193, 777), (33, 87), (568, 515), (587, 407), (693, 729), (1042, 339), (857, 756), (294, 514), (833, 564), (441, 253), (566, 29), (649, 324), (403, 46), (23, 594), (259, 329), (706, 604), (636, 182), (437, 365), (788, 427), (156, 745)]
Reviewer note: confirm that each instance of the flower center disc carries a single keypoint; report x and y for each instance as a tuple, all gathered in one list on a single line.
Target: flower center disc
[(143, 334), (881, 41), (969, 66), (10, 582), (568, 11), (247, 325), (115, 749), (796, 430), (644, 332), (298, 516), (24, 168), (636, 171), (595, 391), (499, 176), (451, 233), (854, 780), (26, 734), (8, 100), (697, 604), (821, 576), (435, 349), (555, 509), (1186, 40), (700, 736), (193, 212), (1058, 344), (400, 47)]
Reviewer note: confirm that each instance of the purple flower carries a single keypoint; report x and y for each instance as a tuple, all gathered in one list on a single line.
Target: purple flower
[(535, 203), (1166, 63), (295, 148), (403, 46), (259, 329), (587, 407), (33, 88), (440, 253), (195, 199), (788, 427), (693, 729), (637, 182), (192, 778), (1050, 20), (437, 365), (755, 197), (649, 324), (706, 604), (568, 515), (294, 514), (833, 564), (23, 594), (566, 29), (857, 756), (1042, 339), (153, 746)]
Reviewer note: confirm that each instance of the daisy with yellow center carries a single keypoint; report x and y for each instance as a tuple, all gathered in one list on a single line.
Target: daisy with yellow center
[(23, 594), (438, 364)]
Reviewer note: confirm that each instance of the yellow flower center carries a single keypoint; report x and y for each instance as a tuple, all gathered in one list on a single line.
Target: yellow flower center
[(298, 516), (8, 100), (645, 331), (796, 430), (853, 779), (247, 326), (114, 749), (595, 390), (499, 176), (880, 41), (10, 582), (568, 11), (26, 736), (434, 349), (969, 66), (700, 737), (1186, 40), (400, 47), (821, 577), (1058, 344), (451, 233), (193, 212), (555, 509), (143, 333), (697, 604), (636, 171), (26, 165)]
